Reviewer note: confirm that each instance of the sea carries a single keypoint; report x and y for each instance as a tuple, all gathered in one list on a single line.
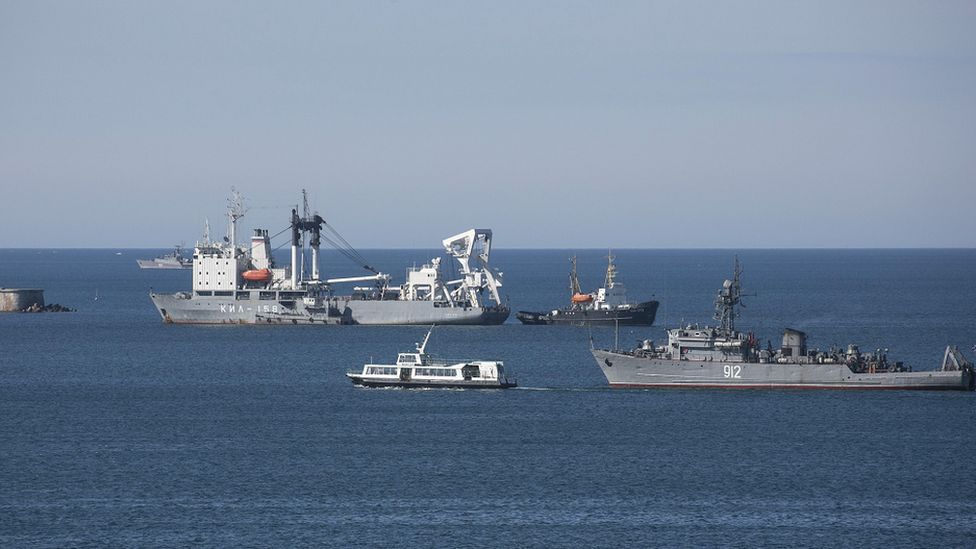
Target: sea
[(117, 430)]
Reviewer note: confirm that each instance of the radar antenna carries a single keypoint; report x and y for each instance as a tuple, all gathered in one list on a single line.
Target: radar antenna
[(727, 299)]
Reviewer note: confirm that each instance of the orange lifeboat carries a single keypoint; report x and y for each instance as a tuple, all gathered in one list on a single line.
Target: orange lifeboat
[(257, 275), (582, 298)]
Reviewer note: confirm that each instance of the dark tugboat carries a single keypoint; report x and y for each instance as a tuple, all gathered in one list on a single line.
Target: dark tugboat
[(607, 305)]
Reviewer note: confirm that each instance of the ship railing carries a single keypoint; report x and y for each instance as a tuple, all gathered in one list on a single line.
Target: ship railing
[(445, 361)]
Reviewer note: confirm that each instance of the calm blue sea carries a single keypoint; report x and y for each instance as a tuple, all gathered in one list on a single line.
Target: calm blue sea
[(118, 430)]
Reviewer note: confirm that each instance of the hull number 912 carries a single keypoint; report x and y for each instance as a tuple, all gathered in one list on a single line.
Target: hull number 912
[(732, 371)]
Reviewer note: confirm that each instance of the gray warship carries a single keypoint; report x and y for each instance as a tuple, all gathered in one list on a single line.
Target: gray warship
[(172, 260), (722, 357), (242, 285)]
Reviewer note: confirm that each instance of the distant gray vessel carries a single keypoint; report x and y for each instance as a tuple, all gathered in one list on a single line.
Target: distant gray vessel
[(242, 285), (723, 357), (172, 260)]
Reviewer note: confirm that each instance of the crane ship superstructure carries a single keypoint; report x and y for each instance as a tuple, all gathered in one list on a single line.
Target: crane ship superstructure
[(238, 284)]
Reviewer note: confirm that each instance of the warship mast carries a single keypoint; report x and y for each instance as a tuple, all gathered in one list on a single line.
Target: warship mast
[(728, 297)]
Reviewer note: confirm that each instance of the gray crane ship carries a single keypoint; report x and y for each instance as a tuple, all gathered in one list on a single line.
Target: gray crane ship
[(607, 305), (722, 357), (243, 285)]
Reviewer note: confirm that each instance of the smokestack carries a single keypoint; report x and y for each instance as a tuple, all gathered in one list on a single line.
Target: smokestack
[(295, 237), (316, 230)]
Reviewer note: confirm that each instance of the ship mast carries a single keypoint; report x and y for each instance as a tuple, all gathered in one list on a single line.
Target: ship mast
[(235, 211), (304, 217), (422, 346), (727, 299), (311, 223), (574, 286), (314, 223), (611, 270)]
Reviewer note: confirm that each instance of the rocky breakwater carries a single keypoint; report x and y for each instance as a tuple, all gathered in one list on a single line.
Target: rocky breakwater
[(52, 308)]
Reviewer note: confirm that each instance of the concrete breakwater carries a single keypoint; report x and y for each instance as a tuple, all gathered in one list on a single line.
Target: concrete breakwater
[(14, 300), (27, 300)]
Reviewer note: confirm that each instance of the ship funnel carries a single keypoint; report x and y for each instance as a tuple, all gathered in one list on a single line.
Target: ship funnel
[(794, 343), (261, 250)]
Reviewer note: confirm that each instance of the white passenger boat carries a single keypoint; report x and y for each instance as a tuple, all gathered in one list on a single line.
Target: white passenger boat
[(418, 369)]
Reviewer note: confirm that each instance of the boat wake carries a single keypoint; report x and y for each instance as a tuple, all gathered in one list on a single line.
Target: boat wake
[(563, 389)]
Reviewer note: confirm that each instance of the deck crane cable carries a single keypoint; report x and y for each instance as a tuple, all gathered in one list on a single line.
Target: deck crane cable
[(345, 245), (349, 252), (340, 244), (279, 233), (337, 241)]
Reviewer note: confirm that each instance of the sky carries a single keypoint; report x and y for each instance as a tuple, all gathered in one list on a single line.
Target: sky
[(569, 124)]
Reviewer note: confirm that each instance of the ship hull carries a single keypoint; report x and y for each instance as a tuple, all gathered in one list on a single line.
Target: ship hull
[(642, 314), (373, 383), (624, 370), (179, 309), (162, 264)]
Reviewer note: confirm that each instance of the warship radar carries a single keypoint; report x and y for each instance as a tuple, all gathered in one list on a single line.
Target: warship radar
[(724, 357), (606, 305), (243, 284)]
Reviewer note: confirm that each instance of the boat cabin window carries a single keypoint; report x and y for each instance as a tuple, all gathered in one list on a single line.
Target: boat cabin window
[(471, 370), (434, 372), (407, 358)]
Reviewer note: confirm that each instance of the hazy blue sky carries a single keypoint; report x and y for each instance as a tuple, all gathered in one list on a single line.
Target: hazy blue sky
[(557, 124)]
